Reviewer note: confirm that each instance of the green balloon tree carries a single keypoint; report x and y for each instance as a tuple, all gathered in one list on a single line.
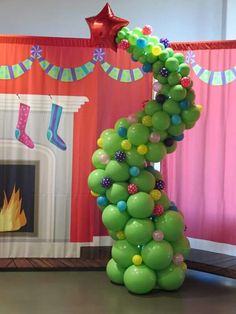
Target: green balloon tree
[(150, 245)]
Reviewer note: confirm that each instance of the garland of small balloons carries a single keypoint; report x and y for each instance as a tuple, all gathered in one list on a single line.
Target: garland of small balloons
[(150, 245)]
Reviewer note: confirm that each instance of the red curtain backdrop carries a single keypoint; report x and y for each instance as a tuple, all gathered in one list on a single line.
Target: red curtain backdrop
[(200, 175)]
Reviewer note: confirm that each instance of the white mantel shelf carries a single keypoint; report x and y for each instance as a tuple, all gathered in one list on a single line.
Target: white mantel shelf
[(41, 103)]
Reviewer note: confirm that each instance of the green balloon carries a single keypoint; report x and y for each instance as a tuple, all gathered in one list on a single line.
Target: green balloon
[(140, 115), (171, 224), (94, 181), (161, 120), (176, 130), (172, 148), (107, 132), (115, 272), (184, 69), (117, 171), (157, 255), (133, 158), (113, 219), (113, 234), (189, 125), (190, 96), (122, 123), (140, 205), (96, 159), (156, 152), (161, 79), (164, 55), (111, 143), (138, 134), (164, 200), (137, 52), (117, 192), (171, 278), (172, 64), (151, 58), (139, 231), (171, 107), (122, 252), (142, 59), (165, 89), (163, 135), (180, 57), (139, 279), (151, 107), (170, 51), (157, 175), (145, 181), (181, 246), (174, 78), (177, 92), (157, 66), (191, 115)]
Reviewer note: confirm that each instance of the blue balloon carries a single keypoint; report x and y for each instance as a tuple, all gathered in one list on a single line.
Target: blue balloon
[(179, 138), (134, 171), (122, 131), (183, 104), (122, 206), (102, 201), (141, 43), (176, 119), (147, 67)]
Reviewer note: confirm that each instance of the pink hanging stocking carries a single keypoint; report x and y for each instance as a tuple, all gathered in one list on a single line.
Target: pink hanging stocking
[(21, 124)]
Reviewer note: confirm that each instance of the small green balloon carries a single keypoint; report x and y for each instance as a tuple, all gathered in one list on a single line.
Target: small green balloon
[(170, 278), (176, 130), (138, 134), (139, 279), (171, 224), (96, 159), (156, 152), (161, 79), (171, 107), (122, 252), (133, 39), (140, 115), (113, 219), (184, 69), (161, 120), (189, 125), (157, 255), (180, 57), (170, 51), (94, 181), (165, 89), (137, 52), (174, 78), (145, 181), (115, 272), (190, 96), (117, 171), (164, 55), (190, 115), (139, 231), (163, 135), (107, 132), (151, 107), (181, 246), (140, 205), (164, 200), (178, 93), (142, 59), (121, 123), (157, 66), (117, 192), (172, 64), (111, 143), (113, 234), (151, 58), (133, 158)]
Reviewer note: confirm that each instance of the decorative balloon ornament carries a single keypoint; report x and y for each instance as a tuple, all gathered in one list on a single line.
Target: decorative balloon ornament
[(150, 245)]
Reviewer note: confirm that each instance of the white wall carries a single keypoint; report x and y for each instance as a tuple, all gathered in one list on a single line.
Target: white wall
[(230, 21), (178, 20)]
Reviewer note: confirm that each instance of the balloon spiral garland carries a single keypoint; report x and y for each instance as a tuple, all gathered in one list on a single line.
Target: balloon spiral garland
[(150, 244)]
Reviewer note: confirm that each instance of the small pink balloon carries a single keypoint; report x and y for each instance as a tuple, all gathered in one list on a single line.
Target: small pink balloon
[(156, 86), (104, 159), (154, 137), (132, 118), (158, 235), (178, 259)]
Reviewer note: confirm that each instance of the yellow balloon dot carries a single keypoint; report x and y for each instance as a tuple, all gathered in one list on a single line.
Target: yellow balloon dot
[(120, 235), (94, 194), (142, 149), (137, 260), (126, 145), (184, 266), (199, 107), (147, 120), (156, 50), (100, 142), (155, 194)]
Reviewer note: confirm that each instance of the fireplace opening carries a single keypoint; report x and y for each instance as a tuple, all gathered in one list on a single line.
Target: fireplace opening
[(18, 197)]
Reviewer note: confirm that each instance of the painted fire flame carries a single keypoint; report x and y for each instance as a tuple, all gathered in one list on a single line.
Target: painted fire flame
[(12, 217)]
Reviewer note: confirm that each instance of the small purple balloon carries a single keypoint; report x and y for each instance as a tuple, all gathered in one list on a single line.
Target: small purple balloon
[(158, 235), (106, 182), (154, 137), (156, 86), (104, 159), (178, 259)]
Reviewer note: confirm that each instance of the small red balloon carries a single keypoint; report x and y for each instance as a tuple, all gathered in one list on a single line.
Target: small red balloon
[(159, 210), (104, 28), (147, 30), (124, 44), (132, 188), (185, 82)]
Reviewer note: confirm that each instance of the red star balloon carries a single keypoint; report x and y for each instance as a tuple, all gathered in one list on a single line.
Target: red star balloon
[(104, 28)]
